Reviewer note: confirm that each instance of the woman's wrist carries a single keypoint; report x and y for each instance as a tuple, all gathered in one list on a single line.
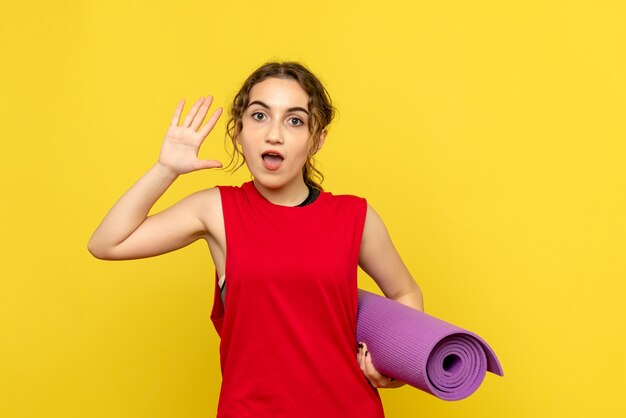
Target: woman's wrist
[(167, 172)]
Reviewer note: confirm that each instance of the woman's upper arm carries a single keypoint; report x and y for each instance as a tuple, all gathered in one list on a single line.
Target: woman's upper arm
[(173, 228), (380, 260)]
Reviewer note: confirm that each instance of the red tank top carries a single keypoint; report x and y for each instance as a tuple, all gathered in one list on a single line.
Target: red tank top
[(288, 333)]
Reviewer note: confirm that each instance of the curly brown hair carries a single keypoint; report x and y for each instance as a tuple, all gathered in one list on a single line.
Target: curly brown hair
[(320, 105)]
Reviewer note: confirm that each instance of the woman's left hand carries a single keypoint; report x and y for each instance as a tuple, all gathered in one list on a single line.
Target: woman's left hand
[(376, 379)]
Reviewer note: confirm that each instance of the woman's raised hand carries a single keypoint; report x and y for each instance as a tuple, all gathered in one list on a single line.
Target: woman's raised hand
[(179, 152)]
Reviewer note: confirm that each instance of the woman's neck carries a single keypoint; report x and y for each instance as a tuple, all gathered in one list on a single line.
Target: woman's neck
[(289, 195)]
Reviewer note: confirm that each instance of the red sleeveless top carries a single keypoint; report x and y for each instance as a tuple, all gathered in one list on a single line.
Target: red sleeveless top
[(288, 332)]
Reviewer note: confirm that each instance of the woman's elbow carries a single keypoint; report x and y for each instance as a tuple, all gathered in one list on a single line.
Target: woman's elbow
[(98, 251)]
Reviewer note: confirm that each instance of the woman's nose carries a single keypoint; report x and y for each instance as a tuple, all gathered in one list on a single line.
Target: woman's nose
[(274, 135)]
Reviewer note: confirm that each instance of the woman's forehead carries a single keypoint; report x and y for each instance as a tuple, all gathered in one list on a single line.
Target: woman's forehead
[(279, 93)]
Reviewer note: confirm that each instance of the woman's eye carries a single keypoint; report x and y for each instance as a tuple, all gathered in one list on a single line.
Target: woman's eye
[(296, 121), (258, 116)]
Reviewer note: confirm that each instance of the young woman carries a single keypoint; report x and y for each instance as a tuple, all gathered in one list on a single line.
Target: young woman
[(285, 251)]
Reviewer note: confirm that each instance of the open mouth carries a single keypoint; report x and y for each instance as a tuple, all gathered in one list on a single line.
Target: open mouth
[(272, 160)]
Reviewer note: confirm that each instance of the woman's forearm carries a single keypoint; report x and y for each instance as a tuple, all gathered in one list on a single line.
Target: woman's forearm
[(131, 209)]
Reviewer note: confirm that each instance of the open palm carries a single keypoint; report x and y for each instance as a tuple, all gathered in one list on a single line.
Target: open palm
[(179, 152)]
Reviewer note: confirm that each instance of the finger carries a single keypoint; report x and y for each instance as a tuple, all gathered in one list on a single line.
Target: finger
[(208, 126), (373, 375), (375, 378), (192, 113), (179, 110), (202, 111), (361, 359)]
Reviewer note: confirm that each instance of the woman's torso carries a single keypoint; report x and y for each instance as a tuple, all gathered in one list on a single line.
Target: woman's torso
[(288, 335)]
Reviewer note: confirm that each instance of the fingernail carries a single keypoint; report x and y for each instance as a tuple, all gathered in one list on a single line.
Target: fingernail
[(367, 353), (360, 345)]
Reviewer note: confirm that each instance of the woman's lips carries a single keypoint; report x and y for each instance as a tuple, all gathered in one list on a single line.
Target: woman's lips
[(272, 161)]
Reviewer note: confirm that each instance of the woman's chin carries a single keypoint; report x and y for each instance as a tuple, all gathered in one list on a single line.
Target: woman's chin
[(268, 181), (272, 181)]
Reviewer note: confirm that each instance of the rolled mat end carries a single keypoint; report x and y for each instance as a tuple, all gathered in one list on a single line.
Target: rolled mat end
[(421, 350)]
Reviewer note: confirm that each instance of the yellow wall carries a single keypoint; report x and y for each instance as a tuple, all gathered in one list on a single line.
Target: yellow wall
[(489, 135)]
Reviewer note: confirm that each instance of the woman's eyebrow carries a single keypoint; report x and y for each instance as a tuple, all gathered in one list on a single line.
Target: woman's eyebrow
[(291, 109)]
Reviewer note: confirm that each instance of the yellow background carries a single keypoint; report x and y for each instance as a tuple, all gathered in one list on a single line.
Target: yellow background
[(489, 135)]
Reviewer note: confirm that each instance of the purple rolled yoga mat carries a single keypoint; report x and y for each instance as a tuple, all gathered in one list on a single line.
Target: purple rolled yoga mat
[(421, 350)]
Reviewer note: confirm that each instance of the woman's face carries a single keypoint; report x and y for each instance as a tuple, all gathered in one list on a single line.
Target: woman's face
[(275, 136)]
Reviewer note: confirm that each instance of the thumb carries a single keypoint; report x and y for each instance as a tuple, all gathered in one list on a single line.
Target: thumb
[(205, 164)]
